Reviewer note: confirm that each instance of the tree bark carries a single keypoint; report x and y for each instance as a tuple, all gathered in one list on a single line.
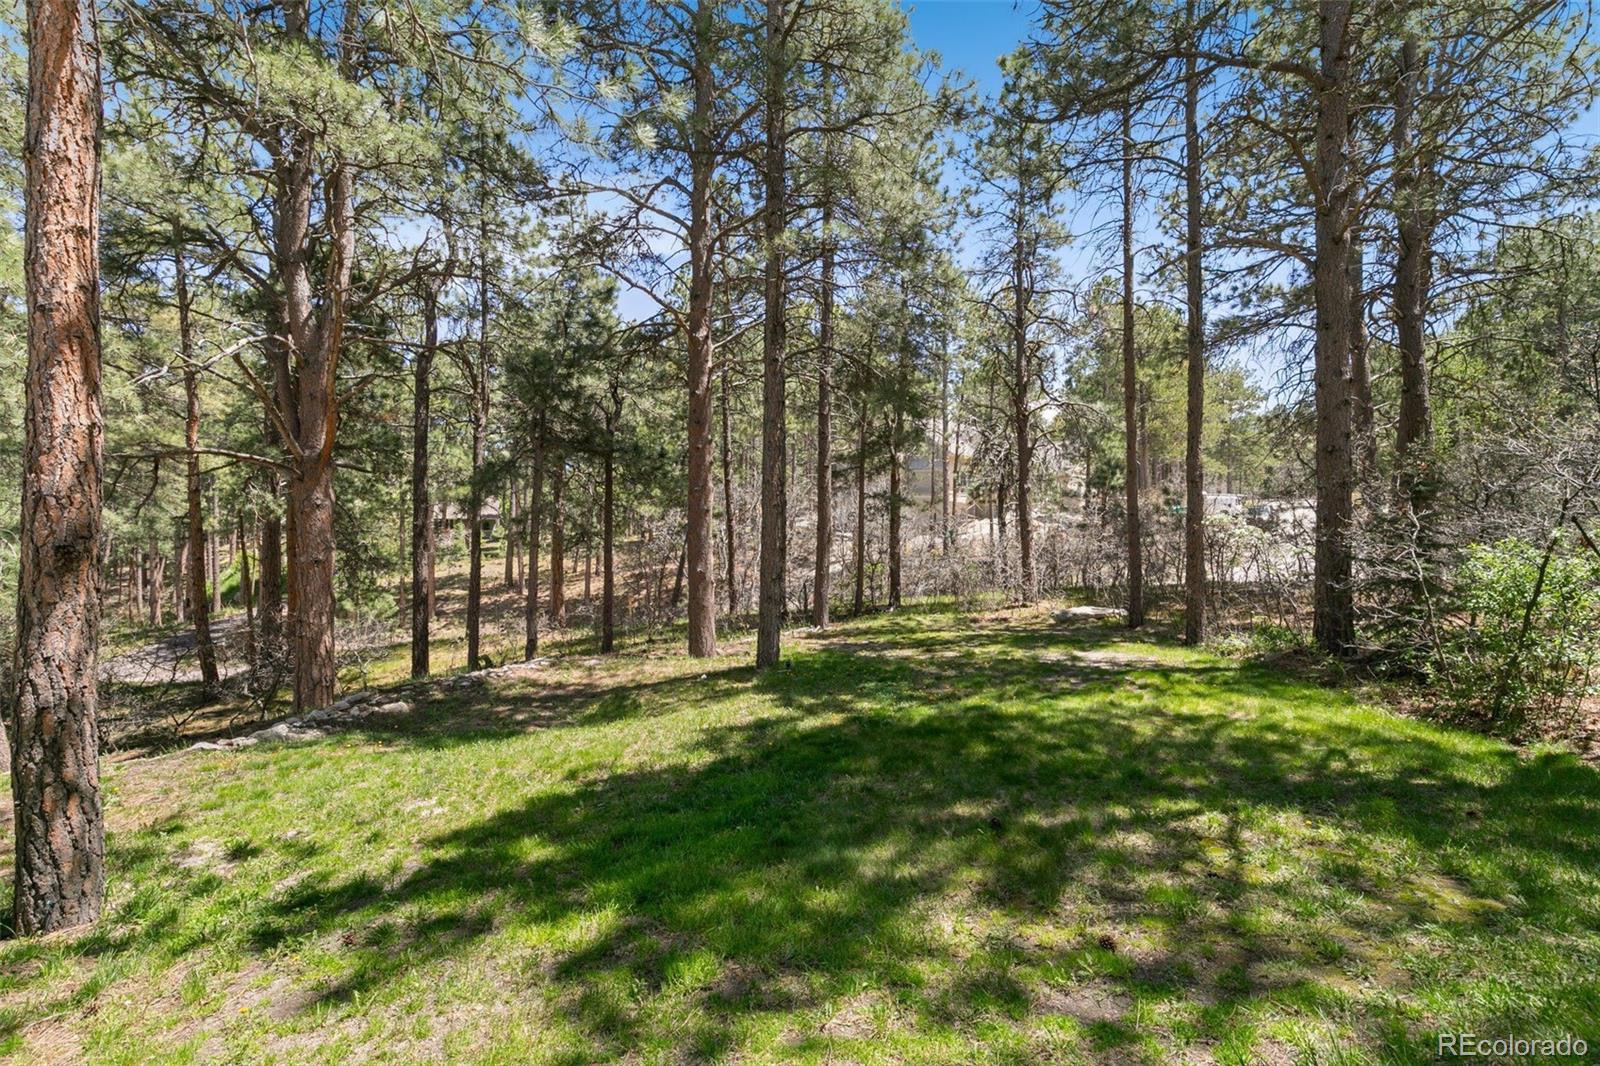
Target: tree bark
[(271, 606), (530, 615), (1361, 416), (729, 530), (1194, 512), (214, 558), (199, 607), (823, 570), (1412, 280), (54, 742), (558, 548), (1021, 387), (861, 514), (1130, 370), (771, 598), (702, 623), (894, 513), (1333, 622), (158, 568), (421, 498), (608, 581)]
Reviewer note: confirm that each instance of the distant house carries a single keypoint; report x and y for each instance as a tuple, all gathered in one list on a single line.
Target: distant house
[(455, 516)]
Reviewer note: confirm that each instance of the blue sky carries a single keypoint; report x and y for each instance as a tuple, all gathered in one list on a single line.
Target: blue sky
[(969, 35)]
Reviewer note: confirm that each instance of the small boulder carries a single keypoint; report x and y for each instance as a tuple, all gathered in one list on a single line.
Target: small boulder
[(1087, 613)]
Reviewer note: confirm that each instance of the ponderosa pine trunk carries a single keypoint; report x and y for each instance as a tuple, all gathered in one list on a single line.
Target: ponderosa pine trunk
[(730, 556), (55, 742), (271, 605), (478, 412), (248, 593), (1194, 513), (1362, 430), (823, 567), (1333, 621), (305, 409), (770, 598), (1021, 408), (1130, 385), (861, 514), (608, 580), (702, 624), (421, 498), (558, 547), (894, 512), (530, 614), (158, 570), (1412, 279), (199, 606), (214, 560)]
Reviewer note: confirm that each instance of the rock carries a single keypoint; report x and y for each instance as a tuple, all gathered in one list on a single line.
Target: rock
[(208, 745), (397, 707), (1087, 613), (283, 733)]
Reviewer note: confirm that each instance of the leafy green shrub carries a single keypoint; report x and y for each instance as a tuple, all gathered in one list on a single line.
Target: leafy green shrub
[(1523, 653)]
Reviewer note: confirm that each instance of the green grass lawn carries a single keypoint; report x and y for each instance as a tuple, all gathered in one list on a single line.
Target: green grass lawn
[(932, 837)]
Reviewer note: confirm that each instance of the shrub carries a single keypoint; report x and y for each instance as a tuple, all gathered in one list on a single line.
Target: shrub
[(1522, 653)]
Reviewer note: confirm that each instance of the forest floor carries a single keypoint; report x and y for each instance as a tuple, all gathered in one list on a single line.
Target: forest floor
[(931, 836)]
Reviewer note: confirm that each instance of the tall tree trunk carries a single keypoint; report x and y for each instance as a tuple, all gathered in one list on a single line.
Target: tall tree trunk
[(1130, 385), (199, 608), (558, 547), (530, 614), (271, 606), (311, 583), (55, 742), (608, 580), (823, 571), (702, 584), (421, 499), (771, 598), (136, 604), (305, 409), (894, 514), (508, 532), (214, 558), (475, 532), (180, 587), (861, 514), (729, 530), (1361, 415), (1333, 599), (944, 446), (1194, 475), (158, 569), (1412, 280), (249, 595), (1021, 379)]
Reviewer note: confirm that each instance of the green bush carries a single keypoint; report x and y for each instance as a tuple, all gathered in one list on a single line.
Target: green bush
[(1521, 655)]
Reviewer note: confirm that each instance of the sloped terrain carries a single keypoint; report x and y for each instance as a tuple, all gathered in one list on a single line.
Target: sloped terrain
[(932, 836)]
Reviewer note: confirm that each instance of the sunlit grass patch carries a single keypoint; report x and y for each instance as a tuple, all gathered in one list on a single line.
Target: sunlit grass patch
[(933, 836)]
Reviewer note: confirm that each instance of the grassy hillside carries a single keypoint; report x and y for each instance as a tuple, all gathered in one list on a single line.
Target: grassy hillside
[(932, 837)]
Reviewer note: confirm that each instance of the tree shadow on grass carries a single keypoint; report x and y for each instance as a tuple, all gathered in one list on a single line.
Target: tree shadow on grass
[(994, 837)]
